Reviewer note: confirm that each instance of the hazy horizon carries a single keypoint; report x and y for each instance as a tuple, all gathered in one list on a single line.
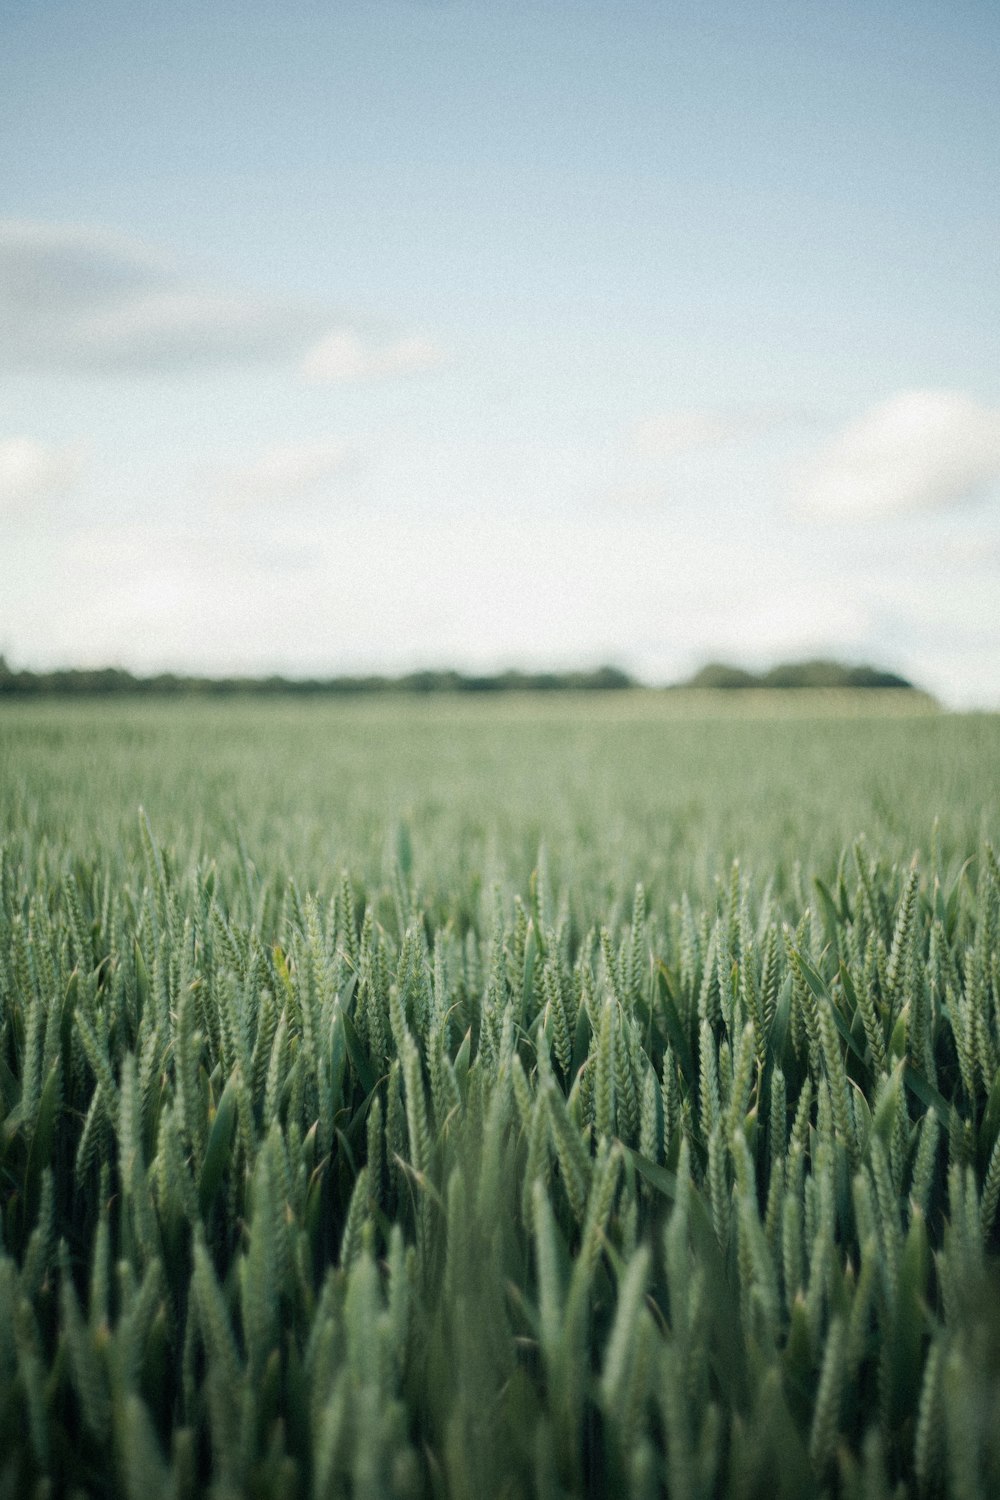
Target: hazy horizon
[(389, 335)]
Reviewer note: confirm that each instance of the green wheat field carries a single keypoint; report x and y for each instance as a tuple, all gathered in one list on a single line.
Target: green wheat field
[(592, 1097)]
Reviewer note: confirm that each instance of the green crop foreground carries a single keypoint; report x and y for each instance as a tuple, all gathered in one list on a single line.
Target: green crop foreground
[(418, 1100)]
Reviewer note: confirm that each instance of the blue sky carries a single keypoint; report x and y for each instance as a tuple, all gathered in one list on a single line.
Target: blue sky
[(352, 335)]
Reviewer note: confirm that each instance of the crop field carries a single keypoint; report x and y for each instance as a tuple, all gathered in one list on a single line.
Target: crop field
[(541, 1097)]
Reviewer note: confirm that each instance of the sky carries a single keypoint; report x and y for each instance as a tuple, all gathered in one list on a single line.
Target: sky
[(363, 335)]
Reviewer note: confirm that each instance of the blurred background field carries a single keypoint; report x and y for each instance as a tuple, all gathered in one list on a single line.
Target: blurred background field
[(607, 790)]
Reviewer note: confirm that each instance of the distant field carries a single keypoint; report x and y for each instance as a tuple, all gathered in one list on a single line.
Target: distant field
[(418, 1100), (666, 788)]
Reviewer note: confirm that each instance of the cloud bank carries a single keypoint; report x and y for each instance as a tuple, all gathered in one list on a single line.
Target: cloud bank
[(79, 300), (31, 471), (286, 472), (919, 450)]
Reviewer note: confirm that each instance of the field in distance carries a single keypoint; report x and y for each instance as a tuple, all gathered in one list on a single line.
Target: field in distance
[(616, 788)]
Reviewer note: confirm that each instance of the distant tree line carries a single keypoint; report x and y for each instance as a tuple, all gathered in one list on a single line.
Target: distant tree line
[(799, 674), (111, 681), (107, 682)]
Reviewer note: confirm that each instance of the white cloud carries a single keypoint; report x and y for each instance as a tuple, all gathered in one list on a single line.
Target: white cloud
[(918, 450), (286, 472), (30, 470), (344, 356), (81, 300)]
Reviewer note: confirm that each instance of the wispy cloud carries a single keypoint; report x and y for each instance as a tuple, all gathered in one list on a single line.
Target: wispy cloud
[(286, 472), (682, 454), (681, 430), (916, 451), (670, 433), (31, 471), (81, 300), (345, 356)]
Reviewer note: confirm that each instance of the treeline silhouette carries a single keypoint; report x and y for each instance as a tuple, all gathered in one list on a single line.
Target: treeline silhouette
[(107, 682), (819, 673)]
